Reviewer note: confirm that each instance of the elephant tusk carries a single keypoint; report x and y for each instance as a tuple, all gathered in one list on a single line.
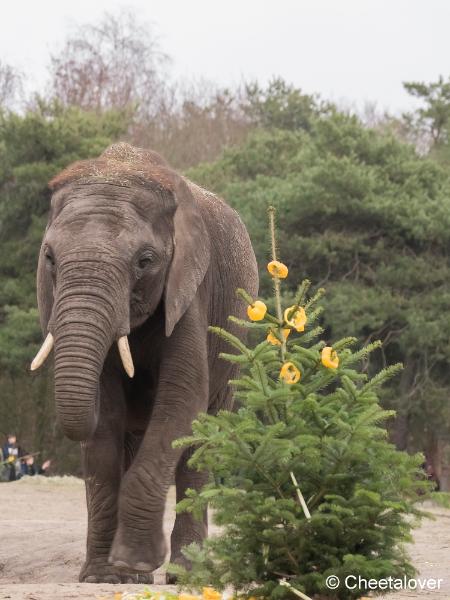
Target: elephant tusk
[(45, 350), (125, 355)]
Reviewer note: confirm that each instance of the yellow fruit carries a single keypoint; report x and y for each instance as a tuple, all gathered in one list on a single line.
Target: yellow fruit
[(289, 373), (278, 269), (297, 319), (330, 359), (257, 311), (211, 594), (272, 338)]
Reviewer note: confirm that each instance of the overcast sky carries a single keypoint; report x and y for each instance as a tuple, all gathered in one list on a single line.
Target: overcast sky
[(350, 51)]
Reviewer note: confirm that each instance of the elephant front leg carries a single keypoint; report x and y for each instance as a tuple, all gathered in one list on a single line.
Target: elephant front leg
[(102, 458), (139, 545), (139, 542)]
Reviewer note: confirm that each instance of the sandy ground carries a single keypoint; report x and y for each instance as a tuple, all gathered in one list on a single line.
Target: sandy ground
[(42, 537)]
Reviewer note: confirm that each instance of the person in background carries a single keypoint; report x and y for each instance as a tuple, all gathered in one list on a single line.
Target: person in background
[(4, 469), (30, 468), (431, 475), (12, 453)]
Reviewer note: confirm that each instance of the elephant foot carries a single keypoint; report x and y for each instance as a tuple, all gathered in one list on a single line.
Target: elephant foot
[(171, 579), (101, 572), (137, 556), (98, 571), (180, 560), (136, 578)]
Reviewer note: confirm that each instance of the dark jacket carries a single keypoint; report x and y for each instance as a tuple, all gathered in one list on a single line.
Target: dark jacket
[(16, 451), (32, 470)]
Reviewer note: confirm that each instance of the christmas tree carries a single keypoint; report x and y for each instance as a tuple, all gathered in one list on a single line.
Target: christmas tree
[(304, 482)]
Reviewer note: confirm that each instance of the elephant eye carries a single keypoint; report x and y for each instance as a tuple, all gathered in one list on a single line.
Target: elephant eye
[(49, 257), (146, 260)]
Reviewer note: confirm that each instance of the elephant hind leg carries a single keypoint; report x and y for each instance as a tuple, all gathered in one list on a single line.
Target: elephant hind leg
[(223, 399), (187, 529)]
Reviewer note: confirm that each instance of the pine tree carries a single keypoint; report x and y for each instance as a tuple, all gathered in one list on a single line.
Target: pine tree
[(303, 480)]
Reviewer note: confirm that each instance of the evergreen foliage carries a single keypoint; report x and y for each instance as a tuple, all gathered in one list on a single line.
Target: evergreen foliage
[(282, 106), (303, 480), (432, 119), (361, 213)]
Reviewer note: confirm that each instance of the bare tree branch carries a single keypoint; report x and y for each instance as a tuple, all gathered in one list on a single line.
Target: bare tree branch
[(113, 64), (11, 85)]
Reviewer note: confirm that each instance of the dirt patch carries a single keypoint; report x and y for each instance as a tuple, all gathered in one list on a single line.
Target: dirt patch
[(43, 528)]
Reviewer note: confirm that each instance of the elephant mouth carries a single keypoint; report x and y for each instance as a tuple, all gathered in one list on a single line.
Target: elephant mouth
[(77, 388)]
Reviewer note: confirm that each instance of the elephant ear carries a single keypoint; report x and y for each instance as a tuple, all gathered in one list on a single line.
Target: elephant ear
[(190, 258)]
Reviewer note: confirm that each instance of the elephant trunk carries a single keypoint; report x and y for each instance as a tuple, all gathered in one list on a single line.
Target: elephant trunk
[(85, 324)]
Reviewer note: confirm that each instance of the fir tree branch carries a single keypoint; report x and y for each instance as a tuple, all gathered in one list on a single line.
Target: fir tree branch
[(312, 333), (360, 423), (344, 343), (317, 296), (243, 446), (230, 338), (247, 324), (303, 288), (244, 295), (382, 376), (238, 358)]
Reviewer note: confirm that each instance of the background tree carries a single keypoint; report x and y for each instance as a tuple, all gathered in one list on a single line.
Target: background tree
[(431, 122), (362, 214), (11, 86), (281, 106), (116, 63), (193, 123)]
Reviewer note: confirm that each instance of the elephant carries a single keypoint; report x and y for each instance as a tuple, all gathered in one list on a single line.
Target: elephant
[(136, 263)]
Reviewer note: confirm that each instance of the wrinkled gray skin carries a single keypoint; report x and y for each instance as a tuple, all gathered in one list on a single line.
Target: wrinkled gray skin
[(127, 255)]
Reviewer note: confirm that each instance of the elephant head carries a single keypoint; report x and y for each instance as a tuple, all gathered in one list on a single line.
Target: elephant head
[(124, 234)]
